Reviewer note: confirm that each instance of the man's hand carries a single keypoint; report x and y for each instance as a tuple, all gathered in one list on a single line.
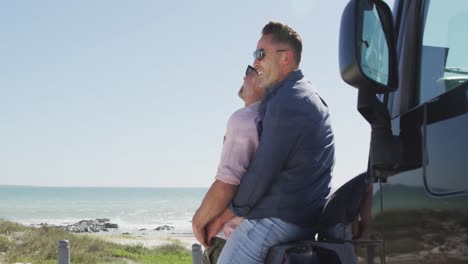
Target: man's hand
[(214, 204), (359, 226), (217, 224), (200, 234), (213, 228)]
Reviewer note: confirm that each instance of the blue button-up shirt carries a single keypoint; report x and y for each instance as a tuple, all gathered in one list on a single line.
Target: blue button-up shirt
[(290, 173)]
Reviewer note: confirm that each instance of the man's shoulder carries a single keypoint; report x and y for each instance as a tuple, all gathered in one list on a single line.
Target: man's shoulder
[(243, 116), (299, 99), (247, 112), (292, 94)]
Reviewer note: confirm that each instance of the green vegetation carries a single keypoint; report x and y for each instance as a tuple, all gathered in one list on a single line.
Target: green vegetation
[(40, 245)]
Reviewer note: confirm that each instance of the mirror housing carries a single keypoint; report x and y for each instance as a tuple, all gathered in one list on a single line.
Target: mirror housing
[(367, 54), (368, 62)]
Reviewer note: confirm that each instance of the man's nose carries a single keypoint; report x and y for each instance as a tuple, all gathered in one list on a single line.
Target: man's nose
[(256, 63)]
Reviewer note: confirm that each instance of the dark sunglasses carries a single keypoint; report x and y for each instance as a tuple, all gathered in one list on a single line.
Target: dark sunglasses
[(249, 70), (260, 53)]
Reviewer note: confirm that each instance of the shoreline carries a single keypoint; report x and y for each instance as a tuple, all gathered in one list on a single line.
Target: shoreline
[(147, 240)]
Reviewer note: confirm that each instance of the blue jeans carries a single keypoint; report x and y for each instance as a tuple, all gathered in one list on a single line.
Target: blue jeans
[(252, 239)]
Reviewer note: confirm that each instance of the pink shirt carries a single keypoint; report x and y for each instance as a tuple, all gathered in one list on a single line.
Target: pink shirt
[(240, 143)]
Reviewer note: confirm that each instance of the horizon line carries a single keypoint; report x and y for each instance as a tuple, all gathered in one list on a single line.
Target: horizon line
[(83, 186)]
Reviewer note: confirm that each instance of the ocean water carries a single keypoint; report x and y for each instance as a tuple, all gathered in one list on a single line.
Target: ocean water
[(132, 209)]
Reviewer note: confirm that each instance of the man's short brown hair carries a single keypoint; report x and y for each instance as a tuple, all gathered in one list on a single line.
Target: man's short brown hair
[(286, 35)]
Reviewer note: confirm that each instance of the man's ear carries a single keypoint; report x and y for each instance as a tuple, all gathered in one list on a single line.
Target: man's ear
[(288, 57)]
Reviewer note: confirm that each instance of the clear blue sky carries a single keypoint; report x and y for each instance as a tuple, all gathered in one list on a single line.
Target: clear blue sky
[(138, 93)]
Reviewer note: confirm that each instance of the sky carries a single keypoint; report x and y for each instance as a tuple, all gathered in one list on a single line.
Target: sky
[(138, 93)]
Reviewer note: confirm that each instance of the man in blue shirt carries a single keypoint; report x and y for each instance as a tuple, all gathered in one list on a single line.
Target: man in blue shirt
[(285, 187)]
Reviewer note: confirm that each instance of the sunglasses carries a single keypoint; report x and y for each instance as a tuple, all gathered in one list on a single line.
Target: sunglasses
[(249, 70), (260, 53)]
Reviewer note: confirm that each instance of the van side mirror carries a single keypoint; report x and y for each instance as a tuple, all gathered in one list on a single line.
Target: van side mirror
[(367, 55), (368, 62)]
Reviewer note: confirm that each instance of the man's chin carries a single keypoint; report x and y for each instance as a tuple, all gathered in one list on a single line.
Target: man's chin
[(264, 85)]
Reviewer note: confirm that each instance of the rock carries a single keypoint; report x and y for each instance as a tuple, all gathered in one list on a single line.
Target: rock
[(88, 226), (435, 250), (84, 226), (164, 228), (111, 225), (455, 252)]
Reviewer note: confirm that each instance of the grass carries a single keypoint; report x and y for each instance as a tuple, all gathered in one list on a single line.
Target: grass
[(40, 245)]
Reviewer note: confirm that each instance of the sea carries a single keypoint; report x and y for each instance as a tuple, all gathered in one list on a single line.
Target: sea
[(133, 209)]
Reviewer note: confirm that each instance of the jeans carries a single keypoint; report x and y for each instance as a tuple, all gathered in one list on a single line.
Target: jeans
[(253, 238)]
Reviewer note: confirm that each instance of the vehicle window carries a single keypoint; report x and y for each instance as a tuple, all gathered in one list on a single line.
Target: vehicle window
[(446, 166), (444, 62), (444, 92)]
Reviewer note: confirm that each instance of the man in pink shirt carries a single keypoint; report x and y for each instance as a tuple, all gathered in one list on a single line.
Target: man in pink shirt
[(240, 143)]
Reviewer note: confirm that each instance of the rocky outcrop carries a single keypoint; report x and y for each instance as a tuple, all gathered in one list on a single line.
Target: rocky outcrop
[(97, 225), (86, 226), (164, 228), (91, 226)]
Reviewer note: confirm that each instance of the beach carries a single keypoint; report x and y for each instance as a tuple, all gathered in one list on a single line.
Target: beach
[(148, 240)]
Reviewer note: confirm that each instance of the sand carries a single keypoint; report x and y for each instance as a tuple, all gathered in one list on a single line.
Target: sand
[(148, 240)]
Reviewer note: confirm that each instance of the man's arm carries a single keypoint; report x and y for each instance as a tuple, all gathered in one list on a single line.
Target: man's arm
[(359, 226), (281, 129), (215, 202), (241, 140)]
